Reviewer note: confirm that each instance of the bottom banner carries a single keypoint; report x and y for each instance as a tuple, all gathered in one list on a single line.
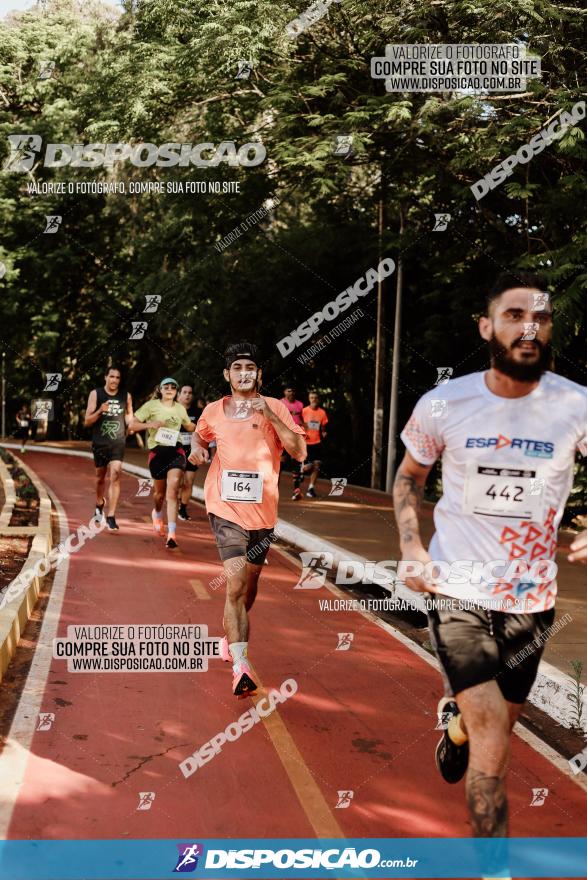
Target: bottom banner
[(559, 857)]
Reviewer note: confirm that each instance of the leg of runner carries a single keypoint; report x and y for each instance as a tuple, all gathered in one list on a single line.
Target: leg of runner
[(253, 572), (314, 471), (314, 474), (487, 719), (298, 476), (114, 470), (159, 487), (100, 489), (239, 586), (173, 483), (186, 493)]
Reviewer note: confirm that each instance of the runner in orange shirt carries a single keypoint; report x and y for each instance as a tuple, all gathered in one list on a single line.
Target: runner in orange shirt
[(315, 421), (241, 490)]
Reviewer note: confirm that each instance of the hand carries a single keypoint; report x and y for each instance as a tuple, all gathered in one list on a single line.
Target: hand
[(155, 425), (199, 456), (259, 404), (579, 548), (415, 552), (105, 407)]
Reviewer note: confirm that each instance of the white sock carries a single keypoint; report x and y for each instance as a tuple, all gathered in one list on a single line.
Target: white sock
[(171, 527), (157, 514), (239, 653)]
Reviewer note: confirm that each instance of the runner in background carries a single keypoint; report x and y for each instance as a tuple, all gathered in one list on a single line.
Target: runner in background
[(241, 490), (186, 398), (163, 417), (315, 421), (295, 408), (23, 423), (108, 413)]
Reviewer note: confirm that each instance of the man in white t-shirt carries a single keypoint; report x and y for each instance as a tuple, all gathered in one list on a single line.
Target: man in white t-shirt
[(508, 439)]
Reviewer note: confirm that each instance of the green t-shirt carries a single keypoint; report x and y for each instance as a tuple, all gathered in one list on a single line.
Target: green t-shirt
[(154, 411)]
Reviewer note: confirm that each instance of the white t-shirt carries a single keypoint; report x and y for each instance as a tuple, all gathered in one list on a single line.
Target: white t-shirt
[(507, 470)]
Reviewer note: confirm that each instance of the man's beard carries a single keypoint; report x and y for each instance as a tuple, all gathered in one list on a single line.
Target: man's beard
[(503, 361)]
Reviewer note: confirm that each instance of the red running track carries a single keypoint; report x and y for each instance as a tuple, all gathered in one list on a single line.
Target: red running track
[(362, 719)]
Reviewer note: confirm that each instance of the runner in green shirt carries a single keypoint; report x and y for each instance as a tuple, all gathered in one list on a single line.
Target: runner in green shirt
[(164, 418)]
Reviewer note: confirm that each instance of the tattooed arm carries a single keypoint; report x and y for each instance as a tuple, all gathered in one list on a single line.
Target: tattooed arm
[(408, 491)]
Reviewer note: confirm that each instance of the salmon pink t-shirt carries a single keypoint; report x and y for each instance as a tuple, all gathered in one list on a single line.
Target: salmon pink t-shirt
[(244, 445), (315, 421)]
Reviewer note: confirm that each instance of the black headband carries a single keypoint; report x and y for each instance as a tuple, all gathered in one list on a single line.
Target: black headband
[(235, 357)]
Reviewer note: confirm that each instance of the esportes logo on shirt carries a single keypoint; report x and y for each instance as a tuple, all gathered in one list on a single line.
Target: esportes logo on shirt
[(533, 448)]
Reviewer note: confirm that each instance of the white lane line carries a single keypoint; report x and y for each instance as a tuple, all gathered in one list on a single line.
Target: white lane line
[(14, 757)]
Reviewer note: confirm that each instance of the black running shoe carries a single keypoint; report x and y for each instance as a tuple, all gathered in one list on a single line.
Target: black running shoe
[(111, 523), (451, 760), (171, 543), (311, 493), (182, 513), (99, 509)]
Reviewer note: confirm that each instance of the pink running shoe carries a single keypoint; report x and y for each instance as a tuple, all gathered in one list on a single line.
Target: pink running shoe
[(225, 650), (242, 681)]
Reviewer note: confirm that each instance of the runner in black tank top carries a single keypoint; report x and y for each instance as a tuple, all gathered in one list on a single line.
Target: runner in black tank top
[(108, 412)]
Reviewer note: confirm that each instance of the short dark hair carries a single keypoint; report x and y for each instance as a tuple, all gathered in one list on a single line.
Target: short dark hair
[(113, 367), (514, 278), (241, 349)]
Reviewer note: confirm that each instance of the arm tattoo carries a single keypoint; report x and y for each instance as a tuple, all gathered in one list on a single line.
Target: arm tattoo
[(488, 804), (407, 497)]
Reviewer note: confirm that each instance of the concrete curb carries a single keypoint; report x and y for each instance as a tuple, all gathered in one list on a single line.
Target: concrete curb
[(552, 687), (16, 613), (9, 494)]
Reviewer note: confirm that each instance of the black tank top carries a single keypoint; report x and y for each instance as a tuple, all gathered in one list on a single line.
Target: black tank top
[(110, 429)]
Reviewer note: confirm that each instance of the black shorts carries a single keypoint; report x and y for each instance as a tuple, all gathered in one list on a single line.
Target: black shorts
[(166, 458), (232, 540), (103, 455), (474, 646), (314, 453), (191, 468)]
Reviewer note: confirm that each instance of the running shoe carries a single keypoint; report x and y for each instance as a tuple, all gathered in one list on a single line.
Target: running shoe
[(171, 543), (451, 760), (225, 650), (99, 509), (311, 493), (158, 526), (242, 681), (183, 513), (112, 524), (297, 495)]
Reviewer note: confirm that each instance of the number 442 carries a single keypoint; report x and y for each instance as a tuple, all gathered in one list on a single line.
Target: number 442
[(505, 493)]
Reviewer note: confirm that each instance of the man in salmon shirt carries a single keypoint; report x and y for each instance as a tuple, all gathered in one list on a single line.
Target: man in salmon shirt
[(315, 421), (241, 490)]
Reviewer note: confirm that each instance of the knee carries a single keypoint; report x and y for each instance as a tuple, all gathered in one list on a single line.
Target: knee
[(489, 745), (114, 476), (236, 589)]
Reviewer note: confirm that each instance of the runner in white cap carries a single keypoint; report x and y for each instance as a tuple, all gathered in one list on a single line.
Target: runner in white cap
[(163, 418)]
